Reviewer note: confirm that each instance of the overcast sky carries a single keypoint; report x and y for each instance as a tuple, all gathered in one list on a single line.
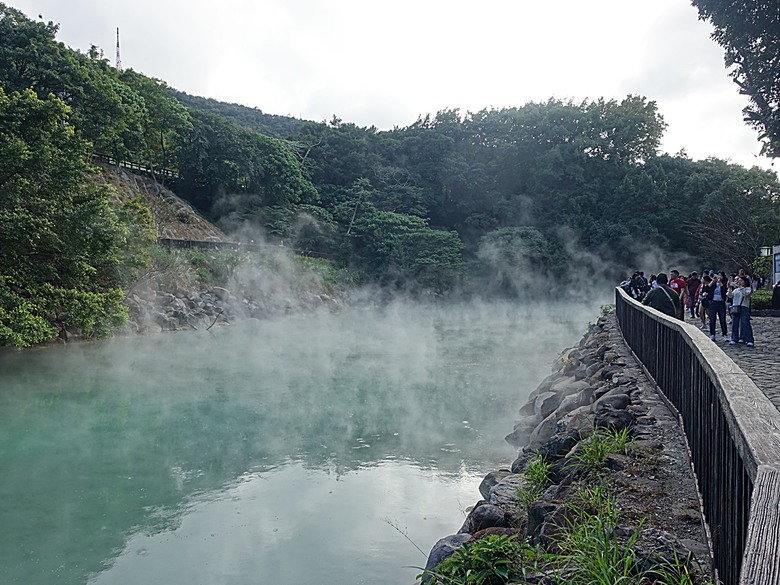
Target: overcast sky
[(380, 63)]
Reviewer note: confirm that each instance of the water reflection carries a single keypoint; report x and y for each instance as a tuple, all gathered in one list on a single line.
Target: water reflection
[(297, 526), (118, 457)]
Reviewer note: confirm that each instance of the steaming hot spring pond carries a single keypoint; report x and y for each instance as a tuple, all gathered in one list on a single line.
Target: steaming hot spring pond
[(302, 450)]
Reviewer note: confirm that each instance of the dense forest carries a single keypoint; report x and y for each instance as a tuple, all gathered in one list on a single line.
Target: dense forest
[(499, 200)]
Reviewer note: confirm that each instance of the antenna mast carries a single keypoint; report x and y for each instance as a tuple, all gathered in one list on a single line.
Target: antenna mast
[(118, 57)]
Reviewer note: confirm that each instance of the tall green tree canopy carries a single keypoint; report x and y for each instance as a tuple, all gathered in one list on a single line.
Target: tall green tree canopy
[(60, 239), (749, 32)]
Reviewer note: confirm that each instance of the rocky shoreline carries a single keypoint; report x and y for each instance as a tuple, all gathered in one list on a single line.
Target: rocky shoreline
[(154, 311), (596, 386)]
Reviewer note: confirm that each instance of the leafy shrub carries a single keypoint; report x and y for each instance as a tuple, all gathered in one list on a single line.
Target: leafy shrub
[(761, 299), (491, 560)]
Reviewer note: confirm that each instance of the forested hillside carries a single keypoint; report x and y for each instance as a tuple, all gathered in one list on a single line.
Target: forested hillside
[(495, 200)]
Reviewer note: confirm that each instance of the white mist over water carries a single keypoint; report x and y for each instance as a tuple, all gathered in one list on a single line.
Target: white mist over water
[(295, 450)]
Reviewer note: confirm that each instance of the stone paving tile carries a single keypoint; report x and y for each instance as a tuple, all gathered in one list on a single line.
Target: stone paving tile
[(762, 362)]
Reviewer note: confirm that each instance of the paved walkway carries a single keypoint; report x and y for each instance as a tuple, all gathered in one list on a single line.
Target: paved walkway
[(762, 362)]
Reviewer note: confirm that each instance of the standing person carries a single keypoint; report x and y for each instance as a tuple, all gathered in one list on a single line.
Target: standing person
[(693, 284), (716, 292), (776, 295), (704, 300), (677, 283), (741, 329), (663, 298), (643, 283)]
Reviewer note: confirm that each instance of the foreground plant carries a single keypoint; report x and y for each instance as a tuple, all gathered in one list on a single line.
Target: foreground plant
[(591, 552), (594, 450), (491, 560), (537, 479)]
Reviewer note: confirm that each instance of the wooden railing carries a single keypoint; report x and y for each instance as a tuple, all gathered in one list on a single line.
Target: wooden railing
[(733, 432), (215, 244), (135, 167)]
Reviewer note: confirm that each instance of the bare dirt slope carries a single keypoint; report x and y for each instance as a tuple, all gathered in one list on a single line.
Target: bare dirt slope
[(173, 217)]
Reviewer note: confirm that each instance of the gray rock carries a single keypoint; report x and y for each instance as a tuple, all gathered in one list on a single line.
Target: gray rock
[(592, 369), (543, 431), (518, 465), (546, 403), (538, 513), (573, 402), (528, 408), (222, 294), (490, 480), (522, 432), (615, 419), (482, 516), (613, 400), (579, 421), (610, 356), (568, 386), (443, 548), (557, 446), (504, 493), (581, 372)]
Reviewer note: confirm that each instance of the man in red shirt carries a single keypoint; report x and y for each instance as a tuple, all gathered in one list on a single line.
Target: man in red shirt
[(677, 284), (692, 284)]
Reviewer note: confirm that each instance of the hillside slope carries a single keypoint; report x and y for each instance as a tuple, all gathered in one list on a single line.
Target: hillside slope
[(173, 217)]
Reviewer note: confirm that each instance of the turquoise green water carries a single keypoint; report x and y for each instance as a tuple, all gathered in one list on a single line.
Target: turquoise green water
[(295, 451)]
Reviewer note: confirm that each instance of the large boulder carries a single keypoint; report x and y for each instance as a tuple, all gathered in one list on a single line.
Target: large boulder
[(505, 493), (490, 480), (443, 548), (615, 399), (574, 401), (483, 516), (543, 431), (615, 420), (522, 432), (546, 403)]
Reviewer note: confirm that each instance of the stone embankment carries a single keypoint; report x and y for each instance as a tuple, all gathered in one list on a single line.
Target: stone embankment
[(595, 385), (153, 311)]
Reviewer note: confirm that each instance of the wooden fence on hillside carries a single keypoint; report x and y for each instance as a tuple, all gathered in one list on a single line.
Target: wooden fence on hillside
[(215, 244), (135, 167)]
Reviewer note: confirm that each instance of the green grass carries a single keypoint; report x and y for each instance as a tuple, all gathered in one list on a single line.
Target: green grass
[(537, 479), (594, 450), (588, 552)]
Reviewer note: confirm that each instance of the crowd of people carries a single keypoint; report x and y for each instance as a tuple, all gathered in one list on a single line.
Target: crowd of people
[(709, 298)]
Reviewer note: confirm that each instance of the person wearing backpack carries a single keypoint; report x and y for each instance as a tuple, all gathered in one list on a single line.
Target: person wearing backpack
[(664, 299)]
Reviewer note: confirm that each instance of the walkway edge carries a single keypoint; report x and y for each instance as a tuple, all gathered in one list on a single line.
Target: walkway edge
[(753, 425)]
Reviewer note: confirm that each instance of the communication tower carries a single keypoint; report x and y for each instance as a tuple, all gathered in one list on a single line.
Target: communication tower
[(118, 57)]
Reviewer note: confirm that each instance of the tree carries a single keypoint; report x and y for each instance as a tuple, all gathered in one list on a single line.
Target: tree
[(59, 237), (228, 170), (103, 110), (514, 260), (749, 32), (166, 122), (402, 250), (739, 216)]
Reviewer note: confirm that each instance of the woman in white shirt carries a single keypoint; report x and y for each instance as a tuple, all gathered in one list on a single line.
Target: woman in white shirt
[(741, 329)]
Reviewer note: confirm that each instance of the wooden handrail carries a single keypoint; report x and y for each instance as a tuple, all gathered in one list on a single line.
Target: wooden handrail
[(733, 432)]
